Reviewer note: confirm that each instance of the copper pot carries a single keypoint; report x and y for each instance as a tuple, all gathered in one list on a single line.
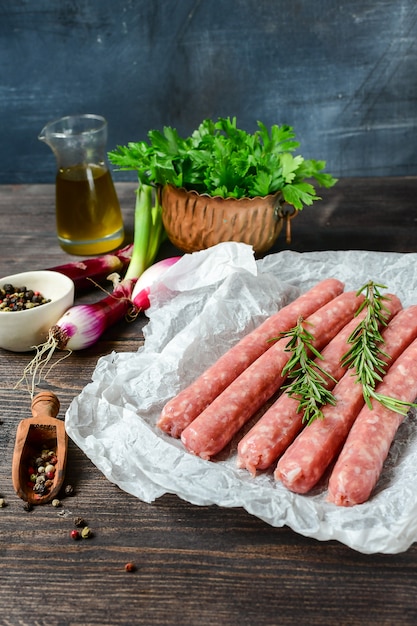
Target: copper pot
[(197, 221)]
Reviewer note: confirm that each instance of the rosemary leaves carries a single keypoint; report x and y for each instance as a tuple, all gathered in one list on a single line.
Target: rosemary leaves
[(309, 380), (366, 356)]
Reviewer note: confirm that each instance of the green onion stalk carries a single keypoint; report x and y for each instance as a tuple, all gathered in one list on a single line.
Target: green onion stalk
[(148, 228)]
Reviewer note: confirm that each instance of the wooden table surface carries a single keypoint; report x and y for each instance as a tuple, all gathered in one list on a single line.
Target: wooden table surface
[(195, 565)]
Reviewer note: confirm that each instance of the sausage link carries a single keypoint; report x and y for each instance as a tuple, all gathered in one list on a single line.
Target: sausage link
[(282, 422), (360, 463), (308, 457), (191, 401), (214, 428)]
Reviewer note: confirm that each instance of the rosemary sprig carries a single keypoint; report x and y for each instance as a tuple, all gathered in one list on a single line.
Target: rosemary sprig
[(394, 404), (309, 378), (366, 356)]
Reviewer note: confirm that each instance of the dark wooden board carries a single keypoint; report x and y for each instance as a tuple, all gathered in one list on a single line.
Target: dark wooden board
[(195, 565)]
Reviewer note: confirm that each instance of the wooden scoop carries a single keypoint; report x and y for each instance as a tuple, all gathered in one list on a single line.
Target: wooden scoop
[(35, 434)]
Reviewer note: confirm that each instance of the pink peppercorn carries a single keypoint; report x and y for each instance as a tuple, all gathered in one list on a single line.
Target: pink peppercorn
[(130, 567)]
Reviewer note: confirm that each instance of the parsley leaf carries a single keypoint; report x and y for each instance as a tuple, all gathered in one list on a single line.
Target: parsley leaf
[(219, 158)]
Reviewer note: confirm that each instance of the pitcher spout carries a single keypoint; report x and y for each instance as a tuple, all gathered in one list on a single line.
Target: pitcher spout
[(76, 139), (55, 135), (44, 136)]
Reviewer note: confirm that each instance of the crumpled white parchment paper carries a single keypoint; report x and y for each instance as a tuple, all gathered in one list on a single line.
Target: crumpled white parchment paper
[(207, 301)]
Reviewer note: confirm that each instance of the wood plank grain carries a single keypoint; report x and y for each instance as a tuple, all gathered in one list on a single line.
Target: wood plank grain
[(195, 565)]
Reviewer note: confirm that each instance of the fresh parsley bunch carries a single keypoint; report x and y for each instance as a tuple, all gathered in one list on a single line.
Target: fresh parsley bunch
[(220, 159)]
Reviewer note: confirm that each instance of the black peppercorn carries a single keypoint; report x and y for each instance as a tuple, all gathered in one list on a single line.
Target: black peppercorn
[(19, 298)]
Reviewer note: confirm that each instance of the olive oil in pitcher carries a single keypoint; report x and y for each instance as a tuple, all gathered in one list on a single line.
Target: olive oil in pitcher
[(88, 216)]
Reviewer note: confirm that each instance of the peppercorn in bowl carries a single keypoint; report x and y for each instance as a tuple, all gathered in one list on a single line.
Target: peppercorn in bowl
[(30, 303)]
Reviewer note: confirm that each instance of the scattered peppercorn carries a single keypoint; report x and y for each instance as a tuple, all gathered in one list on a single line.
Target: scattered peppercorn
[(69, 490), (86, 532), (19, 298), (2, 503), (130, 567), (75, 535), (55, 502), (80, 522), (28, 506)]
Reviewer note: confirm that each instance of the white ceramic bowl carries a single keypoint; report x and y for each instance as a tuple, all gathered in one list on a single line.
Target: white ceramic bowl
[(22, 331)]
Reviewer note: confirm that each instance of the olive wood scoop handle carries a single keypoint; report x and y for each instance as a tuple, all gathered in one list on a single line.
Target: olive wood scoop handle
[(40, 434)]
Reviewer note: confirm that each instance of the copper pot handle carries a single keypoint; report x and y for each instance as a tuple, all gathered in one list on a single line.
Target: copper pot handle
[(286, 213)]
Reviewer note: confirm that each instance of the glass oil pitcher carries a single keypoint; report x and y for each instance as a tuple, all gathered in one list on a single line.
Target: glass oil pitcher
[(88, 215)]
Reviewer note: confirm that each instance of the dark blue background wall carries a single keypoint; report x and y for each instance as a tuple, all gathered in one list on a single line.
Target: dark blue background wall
[(343, 73)]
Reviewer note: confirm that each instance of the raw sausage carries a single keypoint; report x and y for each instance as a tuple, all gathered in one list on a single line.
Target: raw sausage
[(308, 457), (360, 463), (214, 428), (190, 402), (281, 423)]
